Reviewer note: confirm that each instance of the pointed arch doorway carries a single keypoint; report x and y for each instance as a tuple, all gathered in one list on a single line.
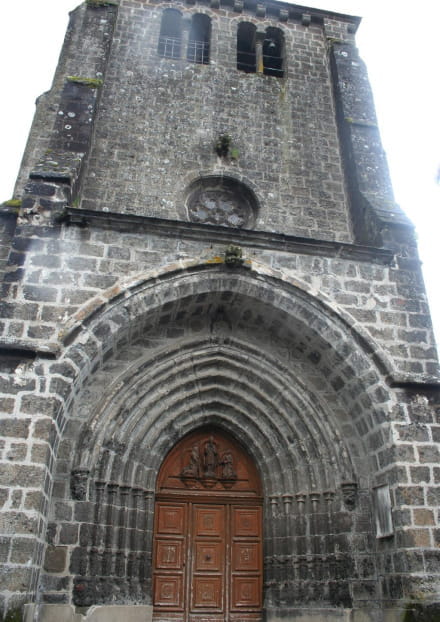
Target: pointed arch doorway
[(207, 553)]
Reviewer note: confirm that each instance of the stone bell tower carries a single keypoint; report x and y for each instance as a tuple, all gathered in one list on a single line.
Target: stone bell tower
[(219, 384)]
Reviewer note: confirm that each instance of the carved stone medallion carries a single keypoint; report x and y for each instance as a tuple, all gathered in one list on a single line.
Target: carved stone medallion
[(221, 201)]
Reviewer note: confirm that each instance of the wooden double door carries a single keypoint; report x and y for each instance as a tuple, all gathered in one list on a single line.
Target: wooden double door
[(207, 557)]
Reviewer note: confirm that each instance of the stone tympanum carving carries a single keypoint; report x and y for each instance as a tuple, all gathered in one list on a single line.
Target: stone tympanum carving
[(211, 458), (206, 467), (193, 468)]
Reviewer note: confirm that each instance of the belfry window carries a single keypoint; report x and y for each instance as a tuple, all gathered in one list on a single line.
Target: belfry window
[(246, 47), (273, 52), (170, 38), (199, 38)]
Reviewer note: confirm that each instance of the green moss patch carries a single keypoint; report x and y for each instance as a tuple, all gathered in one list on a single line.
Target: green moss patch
[(93, 83)]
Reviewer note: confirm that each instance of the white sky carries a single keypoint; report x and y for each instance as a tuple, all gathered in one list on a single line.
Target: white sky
[(399, 42)]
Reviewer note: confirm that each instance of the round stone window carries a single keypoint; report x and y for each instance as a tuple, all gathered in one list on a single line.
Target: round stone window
[(221, 201)]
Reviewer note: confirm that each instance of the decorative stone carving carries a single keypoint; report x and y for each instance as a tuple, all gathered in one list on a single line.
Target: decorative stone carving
[(193, 468), (206, 468), (218, 208), (78, 483), (228, 472), (349, 494), (221, 201), (211, 459)]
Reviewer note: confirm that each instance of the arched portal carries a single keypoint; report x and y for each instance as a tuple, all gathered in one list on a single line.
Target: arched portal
[(207, 555), (247, 354)]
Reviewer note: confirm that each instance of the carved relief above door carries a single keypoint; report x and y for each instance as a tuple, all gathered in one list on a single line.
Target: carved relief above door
[(207, 561)]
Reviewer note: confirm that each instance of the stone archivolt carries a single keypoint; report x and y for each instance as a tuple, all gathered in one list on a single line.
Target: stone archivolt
[(258, 375)]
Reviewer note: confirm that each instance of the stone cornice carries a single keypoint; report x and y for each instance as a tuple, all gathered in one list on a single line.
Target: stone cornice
[(224, 235)]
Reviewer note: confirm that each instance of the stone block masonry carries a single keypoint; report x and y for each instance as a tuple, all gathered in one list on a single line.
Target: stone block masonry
[(200, 247)]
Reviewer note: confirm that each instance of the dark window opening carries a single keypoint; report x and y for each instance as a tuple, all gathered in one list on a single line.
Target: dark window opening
[(170, 38), (273, 52), (246, 52), (199, 38)]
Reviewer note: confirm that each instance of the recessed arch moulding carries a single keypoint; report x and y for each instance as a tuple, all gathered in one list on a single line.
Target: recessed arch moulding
[(271, 367)]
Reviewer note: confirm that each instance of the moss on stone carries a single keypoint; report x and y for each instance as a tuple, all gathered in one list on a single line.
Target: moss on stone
[(12, 203), (234, 153), (93, 83), (362, 122)]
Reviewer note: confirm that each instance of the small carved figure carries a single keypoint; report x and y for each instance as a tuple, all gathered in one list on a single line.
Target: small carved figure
[(211, 458), (228, 471), (193, 468), (78, 484), (349, 494)]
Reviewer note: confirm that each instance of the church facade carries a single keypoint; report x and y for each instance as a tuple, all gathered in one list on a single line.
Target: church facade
[(219, 385)]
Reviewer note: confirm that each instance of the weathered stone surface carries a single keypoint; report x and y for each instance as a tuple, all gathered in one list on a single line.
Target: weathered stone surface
[(55, 558), (158, 284)]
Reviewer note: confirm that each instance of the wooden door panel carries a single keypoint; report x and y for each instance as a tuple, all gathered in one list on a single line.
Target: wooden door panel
[(246, 522), (168, 591), (169, 554), (207, 559), (246, 556), (207, 593), (209, 521), (209, 556), (171, 519), (246, 592)]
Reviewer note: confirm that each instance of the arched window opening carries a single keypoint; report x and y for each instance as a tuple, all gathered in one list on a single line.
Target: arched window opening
[(273, 53), (246, 51), (170, 38), (199, 38)]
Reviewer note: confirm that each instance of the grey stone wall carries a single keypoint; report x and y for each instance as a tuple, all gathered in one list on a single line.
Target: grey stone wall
[(124, 326), (51, 276)]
